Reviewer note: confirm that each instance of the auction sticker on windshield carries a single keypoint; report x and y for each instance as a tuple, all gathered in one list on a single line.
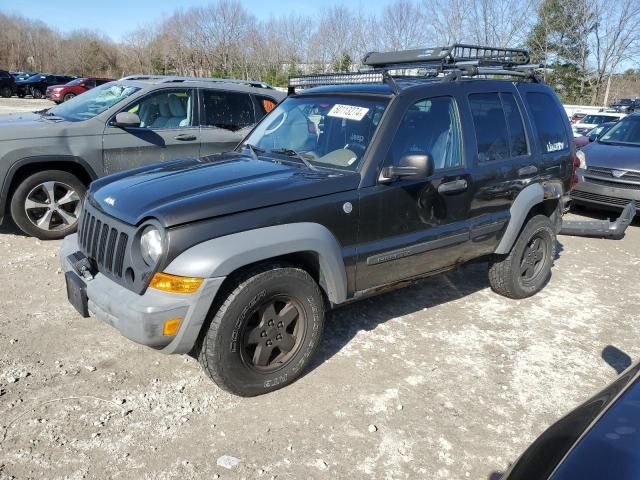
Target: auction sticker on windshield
[(349, 112)]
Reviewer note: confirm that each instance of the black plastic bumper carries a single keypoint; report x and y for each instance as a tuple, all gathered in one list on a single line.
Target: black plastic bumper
[(600, 228)]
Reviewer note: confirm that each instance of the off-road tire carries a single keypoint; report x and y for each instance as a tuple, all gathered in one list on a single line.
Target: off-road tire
[(6, 92), (221, 351), (20, 194), (505, 271), (68, 97)]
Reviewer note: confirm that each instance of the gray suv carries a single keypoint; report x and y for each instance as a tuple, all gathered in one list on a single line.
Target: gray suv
[(47, 158)]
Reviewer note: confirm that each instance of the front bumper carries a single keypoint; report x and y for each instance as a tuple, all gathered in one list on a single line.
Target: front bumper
[(141, 317), (55, 96), (605, 192)]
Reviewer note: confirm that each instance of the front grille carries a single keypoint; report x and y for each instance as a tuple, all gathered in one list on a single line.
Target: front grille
[(604, 199), (607, 172), (610, 183), (101, 239)]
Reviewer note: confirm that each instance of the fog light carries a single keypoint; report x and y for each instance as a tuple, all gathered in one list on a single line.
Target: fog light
[(175, 283), (171, 327)]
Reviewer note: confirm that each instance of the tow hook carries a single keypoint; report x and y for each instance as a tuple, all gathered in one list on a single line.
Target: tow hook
[(600, 228)]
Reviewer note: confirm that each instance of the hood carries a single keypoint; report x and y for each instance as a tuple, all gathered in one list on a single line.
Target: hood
[(621, 157), (194, 189), (17, 126)]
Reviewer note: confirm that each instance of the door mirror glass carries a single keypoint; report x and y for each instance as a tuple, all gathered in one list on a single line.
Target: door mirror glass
[(127, 120), (417, 165)]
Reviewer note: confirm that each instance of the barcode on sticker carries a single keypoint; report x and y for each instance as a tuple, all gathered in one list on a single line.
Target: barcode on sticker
[(349, 112)]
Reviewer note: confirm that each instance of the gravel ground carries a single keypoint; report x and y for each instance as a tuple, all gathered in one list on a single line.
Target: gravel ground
[(444, 379)]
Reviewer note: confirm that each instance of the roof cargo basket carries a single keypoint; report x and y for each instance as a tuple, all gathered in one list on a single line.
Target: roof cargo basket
[(458, 60)]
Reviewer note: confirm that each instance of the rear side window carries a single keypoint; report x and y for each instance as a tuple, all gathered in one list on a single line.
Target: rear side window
[(492, 134), (552, 136), (229, 110), (265, 105)]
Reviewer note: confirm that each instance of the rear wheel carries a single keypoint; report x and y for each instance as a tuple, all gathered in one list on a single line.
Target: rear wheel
[(47, 204), (68, 97), (6, 92), (527, 268), (36, 93), (265, 332)]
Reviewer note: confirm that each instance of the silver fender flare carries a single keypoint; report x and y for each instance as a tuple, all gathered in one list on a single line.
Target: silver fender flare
[(219, 257), (524, 202)]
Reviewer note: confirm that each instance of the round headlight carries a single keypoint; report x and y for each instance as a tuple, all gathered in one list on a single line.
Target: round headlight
[(583, 159), (151, 245)]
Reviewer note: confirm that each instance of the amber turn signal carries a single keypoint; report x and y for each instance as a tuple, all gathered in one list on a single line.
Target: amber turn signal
[(175, 283), (171, 327)]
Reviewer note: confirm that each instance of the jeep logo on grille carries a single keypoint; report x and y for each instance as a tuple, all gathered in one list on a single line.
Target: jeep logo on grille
[(618, 173)]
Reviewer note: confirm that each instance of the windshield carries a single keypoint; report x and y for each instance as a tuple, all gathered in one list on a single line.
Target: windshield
[(596, 119), (93, 102), (77, 81), (330, 131), (625, 132)]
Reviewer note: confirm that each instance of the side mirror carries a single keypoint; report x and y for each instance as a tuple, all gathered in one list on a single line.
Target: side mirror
[(593, 138), (417, 165), (127, 120), (82, 85)]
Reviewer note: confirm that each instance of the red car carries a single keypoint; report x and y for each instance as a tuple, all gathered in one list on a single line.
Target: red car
[(62, 93)]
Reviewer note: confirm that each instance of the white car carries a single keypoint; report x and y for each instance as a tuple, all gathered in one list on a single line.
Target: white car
[(593, 120)]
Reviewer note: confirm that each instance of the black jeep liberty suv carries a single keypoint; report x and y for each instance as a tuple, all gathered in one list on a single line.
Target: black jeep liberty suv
[(423, 161)]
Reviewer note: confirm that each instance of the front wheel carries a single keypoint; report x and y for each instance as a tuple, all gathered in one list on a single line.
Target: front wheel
[(36, 93), (265, 331), (47, 204), (68, 97), (527, 268)]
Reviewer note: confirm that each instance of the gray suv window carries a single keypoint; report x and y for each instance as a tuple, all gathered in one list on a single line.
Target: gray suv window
[(229, 110), (165, 109)]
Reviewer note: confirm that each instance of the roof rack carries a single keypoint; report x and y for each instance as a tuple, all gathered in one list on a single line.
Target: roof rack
[(458, 60), (178, 79)]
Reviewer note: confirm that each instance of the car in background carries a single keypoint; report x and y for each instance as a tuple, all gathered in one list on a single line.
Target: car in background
[(598, 440), (592, 134), (63, 93), (609, 171), (7, 84), (588, 122), (36, 85), (624, 105), (48, 157), (22, 75), (576, 117)]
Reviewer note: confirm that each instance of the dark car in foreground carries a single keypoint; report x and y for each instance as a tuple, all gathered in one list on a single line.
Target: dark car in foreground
[(609, 173), (361, 184), (599, 440), (63, 93), (7, 84), (48, 157), (37, 84)]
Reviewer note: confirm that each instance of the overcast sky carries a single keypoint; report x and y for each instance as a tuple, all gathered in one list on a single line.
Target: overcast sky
[(118, 17)]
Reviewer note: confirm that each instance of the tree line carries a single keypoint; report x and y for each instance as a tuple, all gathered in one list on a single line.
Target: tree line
[(586, 43)]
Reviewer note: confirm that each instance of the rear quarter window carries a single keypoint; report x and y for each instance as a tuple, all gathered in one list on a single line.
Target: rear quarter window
[(548, 120)]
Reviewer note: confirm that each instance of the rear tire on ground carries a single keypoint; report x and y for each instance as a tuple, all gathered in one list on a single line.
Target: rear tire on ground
[(68, 97), (47, 204), (6, 92), (265, 331), (527, 268), (21, 95)]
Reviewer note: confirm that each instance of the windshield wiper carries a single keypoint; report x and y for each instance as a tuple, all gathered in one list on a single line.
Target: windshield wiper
[(254, 150), (292, 153)]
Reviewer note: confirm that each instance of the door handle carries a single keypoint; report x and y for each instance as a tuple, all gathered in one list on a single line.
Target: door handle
[(454, 186), (185, 137), (528, 170)]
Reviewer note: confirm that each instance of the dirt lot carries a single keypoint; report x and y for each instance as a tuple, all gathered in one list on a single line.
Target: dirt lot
[(441, 380)]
